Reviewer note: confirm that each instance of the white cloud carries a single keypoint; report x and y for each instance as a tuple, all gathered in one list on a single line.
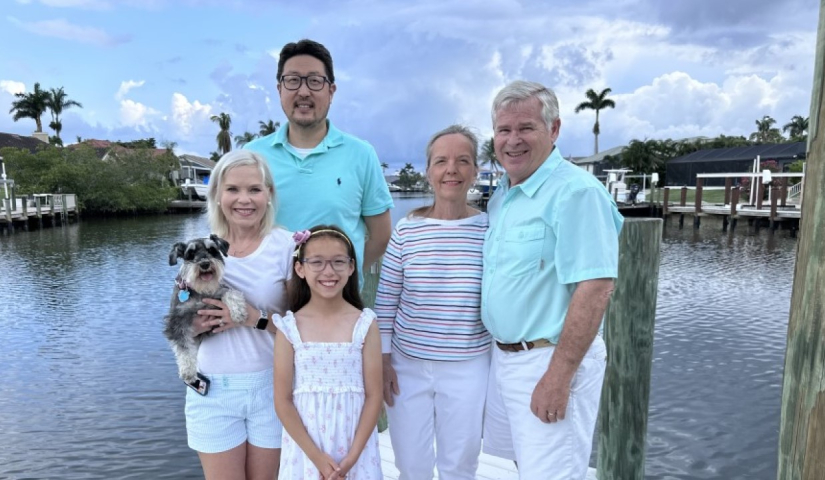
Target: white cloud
[(88, 4), (11, 87), (127, 85), (63, 29), (137, 115), (189, 117)]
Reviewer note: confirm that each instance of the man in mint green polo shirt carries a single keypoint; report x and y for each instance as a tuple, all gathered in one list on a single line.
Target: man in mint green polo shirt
[(550, 258), (322, 175)]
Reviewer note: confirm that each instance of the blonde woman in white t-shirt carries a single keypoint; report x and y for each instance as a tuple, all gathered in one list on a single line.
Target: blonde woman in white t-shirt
[(233, 427)]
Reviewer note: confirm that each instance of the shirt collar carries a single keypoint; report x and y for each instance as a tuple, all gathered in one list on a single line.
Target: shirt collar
[(532, 184), (333, 138)]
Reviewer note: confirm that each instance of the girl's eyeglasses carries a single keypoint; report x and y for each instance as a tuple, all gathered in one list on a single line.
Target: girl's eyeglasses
[(339, 264)]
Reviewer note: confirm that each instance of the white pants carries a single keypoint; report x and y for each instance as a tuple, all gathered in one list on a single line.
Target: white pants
[(441, 401), (553, 451)]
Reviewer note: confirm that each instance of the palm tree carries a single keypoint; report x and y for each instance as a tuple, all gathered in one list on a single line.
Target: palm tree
[(224, 136), (241, 140), (384, 166), (643, 156), (798, 126), (268, 127), (488, 154), (596, 101), (488, 157), (214, 156), (765, 131), (31, 105), (57, 102)]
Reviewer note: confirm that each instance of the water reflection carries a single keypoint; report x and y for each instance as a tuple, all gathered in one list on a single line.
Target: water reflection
[(92, 390)]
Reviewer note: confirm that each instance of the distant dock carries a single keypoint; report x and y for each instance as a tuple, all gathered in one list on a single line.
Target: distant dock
[(783, 205), (181, 206), (38, 209)]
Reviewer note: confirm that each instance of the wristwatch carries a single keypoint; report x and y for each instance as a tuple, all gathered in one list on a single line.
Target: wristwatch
[(263, 321)]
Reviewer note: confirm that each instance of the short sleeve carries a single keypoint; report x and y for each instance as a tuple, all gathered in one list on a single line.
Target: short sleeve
[(587, 230), (287, 326), (362, 326), (377, 198)]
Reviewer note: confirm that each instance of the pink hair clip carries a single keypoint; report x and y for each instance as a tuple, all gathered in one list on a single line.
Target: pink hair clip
[(301, 237)]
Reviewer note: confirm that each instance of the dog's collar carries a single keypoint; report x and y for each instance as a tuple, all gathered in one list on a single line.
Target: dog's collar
[(183, 289)]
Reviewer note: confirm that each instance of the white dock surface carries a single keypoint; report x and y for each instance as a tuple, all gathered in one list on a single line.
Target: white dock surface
[(489, 467)]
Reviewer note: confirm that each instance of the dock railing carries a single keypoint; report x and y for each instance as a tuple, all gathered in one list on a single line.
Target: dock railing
[(734, 204), (21, 208)]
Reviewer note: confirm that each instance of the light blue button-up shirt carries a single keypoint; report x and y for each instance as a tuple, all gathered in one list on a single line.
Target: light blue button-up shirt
[(557, 228)]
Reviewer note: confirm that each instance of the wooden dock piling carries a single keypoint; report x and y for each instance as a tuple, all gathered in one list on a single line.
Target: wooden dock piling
[(697, 203), (628, 333), (802, 425), (728, 186), (734, 201)]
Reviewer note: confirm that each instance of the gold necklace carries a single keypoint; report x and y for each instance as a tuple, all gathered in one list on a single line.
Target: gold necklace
[(236, 252)]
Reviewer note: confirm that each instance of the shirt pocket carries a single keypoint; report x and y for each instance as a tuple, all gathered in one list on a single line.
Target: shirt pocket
[(521, 250)]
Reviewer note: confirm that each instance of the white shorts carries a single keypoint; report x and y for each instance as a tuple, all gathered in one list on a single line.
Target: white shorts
[(559, 450), (239, 407)]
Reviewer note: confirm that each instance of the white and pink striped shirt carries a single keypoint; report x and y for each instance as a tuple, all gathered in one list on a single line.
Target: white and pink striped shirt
[(429, 295)]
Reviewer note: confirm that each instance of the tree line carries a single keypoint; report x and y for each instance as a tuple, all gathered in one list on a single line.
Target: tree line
[(129, 181)]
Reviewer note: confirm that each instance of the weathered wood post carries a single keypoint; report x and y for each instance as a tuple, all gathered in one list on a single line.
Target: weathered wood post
[(802, 426), (665, 200), (734, 202), (783, 192), (773, 194), (368, 292), (683, 197), (728, 185), (7, 211), (628, 333), (760, 192), (697, 203)]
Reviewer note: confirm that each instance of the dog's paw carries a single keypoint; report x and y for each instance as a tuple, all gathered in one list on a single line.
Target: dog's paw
[(236, 304)]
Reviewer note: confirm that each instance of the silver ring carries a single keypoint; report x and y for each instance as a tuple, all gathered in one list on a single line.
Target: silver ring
[(221, 324), (554, 413)]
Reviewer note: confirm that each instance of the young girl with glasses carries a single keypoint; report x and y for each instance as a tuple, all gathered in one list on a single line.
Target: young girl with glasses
[(327, 365)]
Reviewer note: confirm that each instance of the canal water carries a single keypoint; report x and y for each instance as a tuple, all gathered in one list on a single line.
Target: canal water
[(91, 391)]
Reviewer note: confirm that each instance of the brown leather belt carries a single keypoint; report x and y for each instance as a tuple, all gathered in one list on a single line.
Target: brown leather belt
[(518, 347)]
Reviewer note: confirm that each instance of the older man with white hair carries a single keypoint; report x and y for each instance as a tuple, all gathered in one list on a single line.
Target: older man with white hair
[(550, 258)]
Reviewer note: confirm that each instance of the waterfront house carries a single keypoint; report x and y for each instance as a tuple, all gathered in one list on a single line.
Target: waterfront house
[(598, 163), (682, 170), (12, 140), (194, 168)]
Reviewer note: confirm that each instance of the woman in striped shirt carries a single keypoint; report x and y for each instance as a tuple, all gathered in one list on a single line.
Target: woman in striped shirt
[(436, 350)]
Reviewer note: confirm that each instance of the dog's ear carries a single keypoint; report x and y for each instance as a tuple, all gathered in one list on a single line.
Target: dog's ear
[(222, 244), (177, 252)]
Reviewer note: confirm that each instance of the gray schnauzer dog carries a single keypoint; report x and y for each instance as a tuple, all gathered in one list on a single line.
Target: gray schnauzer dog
[(199, 277)]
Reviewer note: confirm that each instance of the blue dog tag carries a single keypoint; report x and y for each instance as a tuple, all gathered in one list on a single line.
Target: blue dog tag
[(183, 296)]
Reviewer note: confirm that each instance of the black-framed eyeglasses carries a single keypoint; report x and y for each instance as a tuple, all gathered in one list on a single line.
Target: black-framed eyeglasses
[(339, 264), (314, 82)]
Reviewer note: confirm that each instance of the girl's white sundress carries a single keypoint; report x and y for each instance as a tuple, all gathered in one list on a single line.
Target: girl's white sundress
[(328, 391)]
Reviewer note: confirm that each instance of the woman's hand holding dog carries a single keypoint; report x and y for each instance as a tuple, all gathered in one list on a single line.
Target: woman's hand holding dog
[(215, 320)]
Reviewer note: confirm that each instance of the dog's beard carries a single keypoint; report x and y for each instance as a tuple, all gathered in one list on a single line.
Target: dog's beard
[(205, 283)]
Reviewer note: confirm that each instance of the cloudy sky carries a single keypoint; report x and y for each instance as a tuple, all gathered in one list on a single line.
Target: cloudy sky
[(405, 69)]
